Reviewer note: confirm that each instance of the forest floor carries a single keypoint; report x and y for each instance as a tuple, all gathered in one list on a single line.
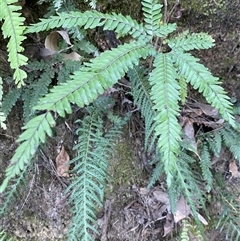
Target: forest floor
[(42, 213)]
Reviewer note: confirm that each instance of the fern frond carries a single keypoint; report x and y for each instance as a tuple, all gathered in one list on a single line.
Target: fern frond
[(229, 219), (140, 89), (158, 170), (35, 132), (189, 230), (57, 4), (10, 100), (215, 143), (82, 43), (165, 95), (92, 3), (200, 78), (152, 15), (91, 19), (66, 70), (4, 236), (188, 182), (186, 41), (13, 29), (165, 29), (231, 140), (183, 89), (94, 149), (101, 73), (184, 231), (37, 89), (12, 191), (205, 164)]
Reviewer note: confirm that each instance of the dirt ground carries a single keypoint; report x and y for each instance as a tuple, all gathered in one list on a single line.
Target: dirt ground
[(131, 212)]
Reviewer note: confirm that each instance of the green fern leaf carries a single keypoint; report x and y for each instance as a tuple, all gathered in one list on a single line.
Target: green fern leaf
[(13, 29), (94, 149), (91, 19), (231, 140), (152, 15), (90, 81), (200, 78), (165, 95), (4, 236), (35, 132), (141, 94), (183, 89), (229, 218), (158, 171), (188, 182), (165, 29), (215, 142), (186, 41), (205, 163), (10, 100), (12, 194)]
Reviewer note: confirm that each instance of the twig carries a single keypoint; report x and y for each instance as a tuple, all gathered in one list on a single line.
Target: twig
[(30, 189)]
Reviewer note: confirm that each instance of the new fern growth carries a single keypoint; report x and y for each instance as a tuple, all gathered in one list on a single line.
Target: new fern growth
[(157, 91)]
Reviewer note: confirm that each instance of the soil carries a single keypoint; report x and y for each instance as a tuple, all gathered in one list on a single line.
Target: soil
[(41, 210)]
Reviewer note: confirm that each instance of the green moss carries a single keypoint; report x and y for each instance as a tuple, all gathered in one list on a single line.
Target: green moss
[(205, 7), (125, 167)]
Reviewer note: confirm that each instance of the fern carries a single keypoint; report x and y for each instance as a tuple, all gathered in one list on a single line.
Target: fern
[(13, 29), (4, 236), (229, 218), (189, 230), (215, 143), (157, 92), (94, 149), (81, 43), (200, 78), (92, 3), (91, 19), (10, 100), (183, 89), (36, 130), (36, 90), (57, 4), (12, 191), (89, 82), (184, 232), (231, 140), (164, 84), (186, 41), (152, 15), (188, 182), (205, 163), (141, 93)]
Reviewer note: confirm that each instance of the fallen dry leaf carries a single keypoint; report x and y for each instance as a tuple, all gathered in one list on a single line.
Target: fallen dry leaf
[(161, 197), (169, 225), (188, 129), (62, 163), (233, 168), (182, 210), (51, 41), (207, 109), (51, 46), (72, 56)]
